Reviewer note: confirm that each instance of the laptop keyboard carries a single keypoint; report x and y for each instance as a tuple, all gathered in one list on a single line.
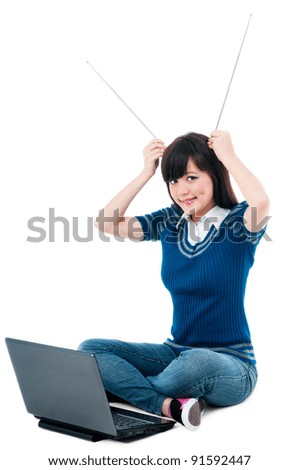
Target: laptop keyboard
[(123, 421)]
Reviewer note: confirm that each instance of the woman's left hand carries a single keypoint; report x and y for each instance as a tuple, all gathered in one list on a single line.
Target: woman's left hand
[(221, 143)]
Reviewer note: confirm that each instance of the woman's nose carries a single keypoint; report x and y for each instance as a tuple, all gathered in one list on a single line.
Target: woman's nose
[(183, 189)]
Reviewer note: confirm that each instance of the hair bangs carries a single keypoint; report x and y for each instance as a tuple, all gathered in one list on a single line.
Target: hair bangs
[(178, 155)]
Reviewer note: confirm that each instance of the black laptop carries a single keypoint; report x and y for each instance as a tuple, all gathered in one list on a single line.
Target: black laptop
[(64, 390)]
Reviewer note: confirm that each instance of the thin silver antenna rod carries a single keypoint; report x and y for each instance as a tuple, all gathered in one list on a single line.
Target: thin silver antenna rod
[(231, 79), (120, 98)]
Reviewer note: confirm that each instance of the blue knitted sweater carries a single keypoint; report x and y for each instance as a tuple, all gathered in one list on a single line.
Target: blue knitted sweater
[(207, 280)]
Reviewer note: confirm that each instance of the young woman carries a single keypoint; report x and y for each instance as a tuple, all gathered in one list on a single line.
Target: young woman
[(208, 241)]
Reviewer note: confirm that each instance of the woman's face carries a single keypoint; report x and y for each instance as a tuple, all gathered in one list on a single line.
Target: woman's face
[(193, 192)]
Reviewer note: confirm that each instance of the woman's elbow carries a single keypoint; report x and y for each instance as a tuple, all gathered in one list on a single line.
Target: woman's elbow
[(101, 224), (264, 204)]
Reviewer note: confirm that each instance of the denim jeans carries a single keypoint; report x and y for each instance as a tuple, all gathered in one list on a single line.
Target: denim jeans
[(146, 374)]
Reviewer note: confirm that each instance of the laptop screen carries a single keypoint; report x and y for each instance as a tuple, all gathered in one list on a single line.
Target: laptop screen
[(62, 385)]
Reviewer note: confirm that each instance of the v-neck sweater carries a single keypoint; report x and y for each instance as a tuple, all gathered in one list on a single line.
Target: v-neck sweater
[(207, 280)]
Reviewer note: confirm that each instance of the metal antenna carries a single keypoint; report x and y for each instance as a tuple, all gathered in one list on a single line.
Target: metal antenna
[(230, 82), (120, 98)]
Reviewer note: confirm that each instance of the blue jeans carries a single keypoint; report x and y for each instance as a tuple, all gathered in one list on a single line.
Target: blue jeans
[(146, 374)]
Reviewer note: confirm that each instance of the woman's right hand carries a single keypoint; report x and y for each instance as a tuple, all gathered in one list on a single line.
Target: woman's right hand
[(151, 154)]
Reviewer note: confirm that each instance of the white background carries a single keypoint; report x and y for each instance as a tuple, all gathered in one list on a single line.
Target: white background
[(68, 143)]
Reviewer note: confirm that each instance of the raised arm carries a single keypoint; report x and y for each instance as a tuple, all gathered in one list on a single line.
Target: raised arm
[(252, 189), (112, 219)]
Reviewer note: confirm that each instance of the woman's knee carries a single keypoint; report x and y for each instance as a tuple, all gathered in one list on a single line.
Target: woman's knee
[(233, 387), (94, 345)]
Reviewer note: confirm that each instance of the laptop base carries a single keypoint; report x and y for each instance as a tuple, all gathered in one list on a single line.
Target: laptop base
[(70, 430), (94, 436)]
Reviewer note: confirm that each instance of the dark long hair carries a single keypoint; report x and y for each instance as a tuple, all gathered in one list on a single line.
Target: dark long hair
[(192, 145)]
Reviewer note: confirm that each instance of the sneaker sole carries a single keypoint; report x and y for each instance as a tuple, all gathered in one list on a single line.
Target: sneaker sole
[(191, 414)]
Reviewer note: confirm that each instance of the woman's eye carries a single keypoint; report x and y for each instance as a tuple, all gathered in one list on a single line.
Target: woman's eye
[(191, 178), (172, 181)]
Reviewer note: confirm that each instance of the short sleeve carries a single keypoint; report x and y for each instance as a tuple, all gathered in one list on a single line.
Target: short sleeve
[(237, 225), (253, 237), (153, 224)]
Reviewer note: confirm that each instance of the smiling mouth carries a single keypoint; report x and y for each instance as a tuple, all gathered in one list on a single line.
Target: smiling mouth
[(188, 201)]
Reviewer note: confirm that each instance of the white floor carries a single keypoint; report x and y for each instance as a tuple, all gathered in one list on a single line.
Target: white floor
[(260, 428)]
